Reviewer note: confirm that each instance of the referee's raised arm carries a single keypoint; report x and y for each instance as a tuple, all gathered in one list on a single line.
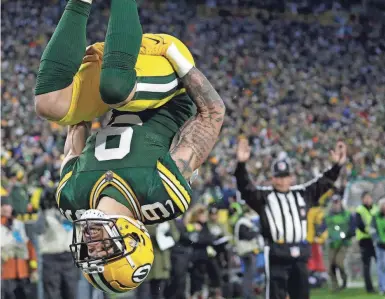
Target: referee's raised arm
[(250, 194), (314, 189)]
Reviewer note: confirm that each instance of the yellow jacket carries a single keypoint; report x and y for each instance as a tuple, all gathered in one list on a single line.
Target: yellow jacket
[(314, 221)]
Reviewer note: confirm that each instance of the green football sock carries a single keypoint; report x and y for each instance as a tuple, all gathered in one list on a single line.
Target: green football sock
[(121, 49), (64, 53)]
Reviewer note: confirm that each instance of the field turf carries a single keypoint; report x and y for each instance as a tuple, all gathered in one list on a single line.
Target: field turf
[(348, 293)]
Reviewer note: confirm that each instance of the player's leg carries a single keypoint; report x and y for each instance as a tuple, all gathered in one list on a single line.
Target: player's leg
[(61, 60), (121, 50)]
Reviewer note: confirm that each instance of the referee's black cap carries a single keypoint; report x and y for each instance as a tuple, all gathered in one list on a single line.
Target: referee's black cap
[(281, 168)]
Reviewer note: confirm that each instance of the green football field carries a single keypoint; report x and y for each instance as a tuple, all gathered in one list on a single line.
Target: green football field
[(348, 293)]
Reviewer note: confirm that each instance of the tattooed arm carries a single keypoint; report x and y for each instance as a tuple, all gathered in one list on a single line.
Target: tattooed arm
[(198, 135)]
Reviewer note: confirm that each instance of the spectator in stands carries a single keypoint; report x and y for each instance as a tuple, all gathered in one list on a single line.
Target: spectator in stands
[(378, 235), (217, 229), (301, 70), (364, 214), (181, 255), (221, 246), (60, 276), (18, 257), (340, 226), (18, 194), (202, 261), (164, 237), (247, 244), (316, 236)]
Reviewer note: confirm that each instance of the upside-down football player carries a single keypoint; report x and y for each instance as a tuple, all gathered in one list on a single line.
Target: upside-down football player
[(129, 173)]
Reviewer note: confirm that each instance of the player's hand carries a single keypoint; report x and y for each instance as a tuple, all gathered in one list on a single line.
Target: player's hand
[(244, 150), (155, 45), (339, 153), (94, 53)]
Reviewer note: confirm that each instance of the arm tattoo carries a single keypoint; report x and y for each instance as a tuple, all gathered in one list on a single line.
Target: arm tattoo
[(184, 166), (199, 135)]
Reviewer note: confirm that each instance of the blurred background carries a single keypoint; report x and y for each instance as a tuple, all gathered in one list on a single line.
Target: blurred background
[(296, 76)]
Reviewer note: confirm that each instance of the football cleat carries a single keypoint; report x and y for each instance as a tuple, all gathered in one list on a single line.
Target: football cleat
[(155, 44)]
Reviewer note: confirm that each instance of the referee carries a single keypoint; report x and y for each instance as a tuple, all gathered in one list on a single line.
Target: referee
[(283, 212)]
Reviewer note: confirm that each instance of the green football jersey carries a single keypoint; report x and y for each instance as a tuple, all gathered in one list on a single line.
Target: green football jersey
[(129, 160)]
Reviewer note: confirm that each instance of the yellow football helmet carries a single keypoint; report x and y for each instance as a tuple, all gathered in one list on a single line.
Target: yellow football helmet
[(114, 252)]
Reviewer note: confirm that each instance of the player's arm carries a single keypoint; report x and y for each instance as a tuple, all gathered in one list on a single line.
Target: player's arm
[(76, 141), (199, 135)]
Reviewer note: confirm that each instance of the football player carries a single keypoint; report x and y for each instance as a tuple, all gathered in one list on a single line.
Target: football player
[(126, 174)]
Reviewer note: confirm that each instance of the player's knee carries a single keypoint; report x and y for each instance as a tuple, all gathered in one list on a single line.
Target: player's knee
[(116, 85)]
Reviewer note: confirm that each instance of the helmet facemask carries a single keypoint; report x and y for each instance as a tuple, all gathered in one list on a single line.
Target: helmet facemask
[(97, 242)]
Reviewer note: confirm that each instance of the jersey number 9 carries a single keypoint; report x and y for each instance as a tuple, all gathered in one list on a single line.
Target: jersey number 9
[(102, 153)]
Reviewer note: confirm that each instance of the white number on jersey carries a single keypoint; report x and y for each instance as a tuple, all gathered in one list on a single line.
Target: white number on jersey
[(105, 154), (157, 211)]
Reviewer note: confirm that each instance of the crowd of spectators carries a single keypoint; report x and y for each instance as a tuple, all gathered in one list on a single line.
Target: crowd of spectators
[(293, 85)]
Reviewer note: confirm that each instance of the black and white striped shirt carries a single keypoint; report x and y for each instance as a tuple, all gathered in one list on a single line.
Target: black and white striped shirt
[(284, 215)]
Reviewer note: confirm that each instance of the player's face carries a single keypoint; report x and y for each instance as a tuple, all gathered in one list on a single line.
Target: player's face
[(282, 184), (99, 248)]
